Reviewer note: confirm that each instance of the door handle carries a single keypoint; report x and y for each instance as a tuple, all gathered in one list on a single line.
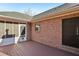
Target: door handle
[(77, 30)]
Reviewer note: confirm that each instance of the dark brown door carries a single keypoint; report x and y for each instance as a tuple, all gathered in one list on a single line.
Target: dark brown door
[(70, 32)]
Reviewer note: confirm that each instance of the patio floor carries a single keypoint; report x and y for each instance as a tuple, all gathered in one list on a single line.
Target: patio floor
[(32, 48)]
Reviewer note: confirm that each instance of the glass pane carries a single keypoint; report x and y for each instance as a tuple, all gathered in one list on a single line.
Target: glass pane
[(2, 29), (9, 32), (16, 29), (37, 28), (22, 30)]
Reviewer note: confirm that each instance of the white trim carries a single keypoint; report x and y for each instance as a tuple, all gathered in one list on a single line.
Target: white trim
[(19, 29)]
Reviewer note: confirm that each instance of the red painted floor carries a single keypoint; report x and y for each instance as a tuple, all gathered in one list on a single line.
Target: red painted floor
[(2, 54), (33, 49)]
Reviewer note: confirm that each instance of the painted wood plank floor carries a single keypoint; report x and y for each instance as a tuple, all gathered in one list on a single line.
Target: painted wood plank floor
[(32, 48)]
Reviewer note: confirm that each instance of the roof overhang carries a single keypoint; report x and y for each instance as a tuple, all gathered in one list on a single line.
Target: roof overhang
[(13, 19), (61, 14)]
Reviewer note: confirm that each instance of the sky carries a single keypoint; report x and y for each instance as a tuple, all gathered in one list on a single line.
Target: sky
[(31, 8)]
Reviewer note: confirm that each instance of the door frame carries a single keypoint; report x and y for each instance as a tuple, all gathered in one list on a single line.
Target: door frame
[(63, 20), (66, 47), (25, 30)]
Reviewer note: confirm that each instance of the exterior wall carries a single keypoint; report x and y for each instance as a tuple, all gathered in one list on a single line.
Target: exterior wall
[(50, 34), (51, 31), (29, 32)]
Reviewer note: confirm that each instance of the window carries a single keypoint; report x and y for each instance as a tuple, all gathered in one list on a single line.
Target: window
[(2, 29), (8, 30), (37, 28)]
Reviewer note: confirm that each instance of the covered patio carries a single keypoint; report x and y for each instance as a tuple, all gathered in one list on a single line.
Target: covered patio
[(32, 48), (13, 27)]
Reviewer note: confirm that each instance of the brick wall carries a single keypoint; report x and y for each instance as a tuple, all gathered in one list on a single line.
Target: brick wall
[(28, 31), (51, 31)]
